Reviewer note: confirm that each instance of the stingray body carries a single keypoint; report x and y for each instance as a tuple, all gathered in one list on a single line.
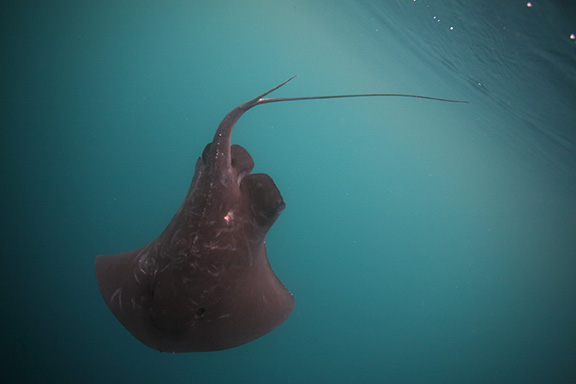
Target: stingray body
[(205, 283)]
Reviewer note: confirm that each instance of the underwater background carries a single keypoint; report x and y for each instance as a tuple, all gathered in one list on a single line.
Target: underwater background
[(424, 242)]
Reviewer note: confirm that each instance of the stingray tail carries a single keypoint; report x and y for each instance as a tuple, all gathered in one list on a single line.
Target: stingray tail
[(222, 139), (261, 100)]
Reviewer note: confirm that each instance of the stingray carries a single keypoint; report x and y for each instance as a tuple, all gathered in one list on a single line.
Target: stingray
[(205, 284)]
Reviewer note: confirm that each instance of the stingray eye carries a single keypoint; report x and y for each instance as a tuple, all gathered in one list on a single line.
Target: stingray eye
[(199, 313)]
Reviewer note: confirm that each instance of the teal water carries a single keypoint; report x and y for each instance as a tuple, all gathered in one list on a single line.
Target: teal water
[(424, 242)]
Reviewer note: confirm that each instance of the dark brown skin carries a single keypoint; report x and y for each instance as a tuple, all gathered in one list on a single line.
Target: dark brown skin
[(205, 284)]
